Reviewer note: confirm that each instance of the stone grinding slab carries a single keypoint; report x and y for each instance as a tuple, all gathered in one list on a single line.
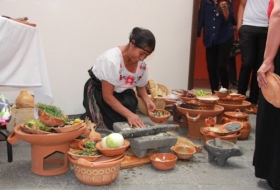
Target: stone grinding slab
[(128, 132), (148, 137), (162, 141)]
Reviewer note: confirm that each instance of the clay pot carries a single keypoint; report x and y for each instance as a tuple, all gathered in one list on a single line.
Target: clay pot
[(211, 135), (163, 161), (24, 100), (196, 119), (161, 119), (245, 107), (97, 172), (184, 152), (209, 122), (75, 156), (112, 151), (237, 115), (48, 119), (47, 146)]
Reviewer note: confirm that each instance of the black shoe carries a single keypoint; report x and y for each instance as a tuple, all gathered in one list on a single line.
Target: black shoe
[(234, 83)]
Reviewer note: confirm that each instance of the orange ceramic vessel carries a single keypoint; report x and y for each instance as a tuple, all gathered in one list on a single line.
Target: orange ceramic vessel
[(211, 135), (237, 115), (184, 152), (159, 119), (244, 107), (196, 119), (163, 161), (97, 173), (112, 151), (48, 151)]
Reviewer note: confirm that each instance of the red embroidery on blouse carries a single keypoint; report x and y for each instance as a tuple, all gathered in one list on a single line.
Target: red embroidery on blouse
[(129, 80)]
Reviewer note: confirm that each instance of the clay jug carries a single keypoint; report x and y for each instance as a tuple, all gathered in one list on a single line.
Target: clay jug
[(24, 100), (237, 115), (209, 122)]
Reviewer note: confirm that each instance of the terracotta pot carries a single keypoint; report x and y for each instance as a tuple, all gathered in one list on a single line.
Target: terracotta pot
[(211, 135), (48, 119), (209, 122), (112, 151), (161, 119), (24, 100), (163, 161), (196, 119), (96, 173), (48, 151), (184, 152), (245, 107), (237, 115)]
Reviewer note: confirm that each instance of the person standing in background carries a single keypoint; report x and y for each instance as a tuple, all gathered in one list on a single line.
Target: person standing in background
[(252, 26), (232, 60), (215, 18), (267, 147)]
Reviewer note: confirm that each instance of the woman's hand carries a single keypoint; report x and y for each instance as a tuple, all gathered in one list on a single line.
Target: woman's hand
[(265, 67), (150, 105), (135, 120)]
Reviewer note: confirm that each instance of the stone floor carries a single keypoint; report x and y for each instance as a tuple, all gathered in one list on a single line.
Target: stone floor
[(195, 174)]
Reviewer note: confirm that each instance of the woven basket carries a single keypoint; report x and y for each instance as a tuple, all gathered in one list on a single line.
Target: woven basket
[(19, 116), (157, 92)]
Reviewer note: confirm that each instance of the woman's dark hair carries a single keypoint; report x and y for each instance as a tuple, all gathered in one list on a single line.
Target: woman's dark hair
[(142, 37)]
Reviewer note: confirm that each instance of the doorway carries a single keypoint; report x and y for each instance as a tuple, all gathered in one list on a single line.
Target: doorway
[(198, 75)]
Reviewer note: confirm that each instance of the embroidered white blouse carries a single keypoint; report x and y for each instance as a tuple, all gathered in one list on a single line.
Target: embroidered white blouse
[(110, 67)]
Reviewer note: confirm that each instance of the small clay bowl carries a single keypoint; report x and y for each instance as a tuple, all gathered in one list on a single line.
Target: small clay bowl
[(163, 161), (48, 119), (208, 99), (77, 156), (221, 94), (184, 152), (159, 115), (112, 151)]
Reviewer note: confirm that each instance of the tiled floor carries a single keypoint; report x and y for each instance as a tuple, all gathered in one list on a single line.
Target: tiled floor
[(195, 174)]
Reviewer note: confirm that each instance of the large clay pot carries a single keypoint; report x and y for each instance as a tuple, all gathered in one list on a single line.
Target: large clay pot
[(49, 152), (237, 115), (244, 107), (197, 117), (24, 100)]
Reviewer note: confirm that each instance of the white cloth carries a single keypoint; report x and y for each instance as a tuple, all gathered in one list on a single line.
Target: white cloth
[(255, 13), (110, 67), (22, 60)]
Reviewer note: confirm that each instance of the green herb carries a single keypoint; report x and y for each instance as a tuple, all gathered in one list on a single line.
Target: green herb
[(89, 145), (87, 152), (52, 110)]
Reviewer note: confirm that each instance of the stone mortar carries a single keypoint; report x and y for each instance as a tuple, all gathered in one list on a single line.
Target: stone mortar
[(221, 150)]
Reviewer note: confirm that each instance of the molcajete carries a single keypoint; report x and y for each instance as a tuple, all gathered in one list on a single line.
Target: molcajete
[(237, 115)]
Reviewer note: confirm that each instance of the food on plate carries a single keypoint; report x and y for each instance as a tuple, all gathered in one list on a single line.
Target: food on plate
[(202, 93), (159, 113), (37, 125)]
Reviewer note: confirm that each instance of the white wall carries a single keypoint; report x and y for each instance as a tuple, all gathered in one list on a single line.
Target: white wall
[(75, 32)]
